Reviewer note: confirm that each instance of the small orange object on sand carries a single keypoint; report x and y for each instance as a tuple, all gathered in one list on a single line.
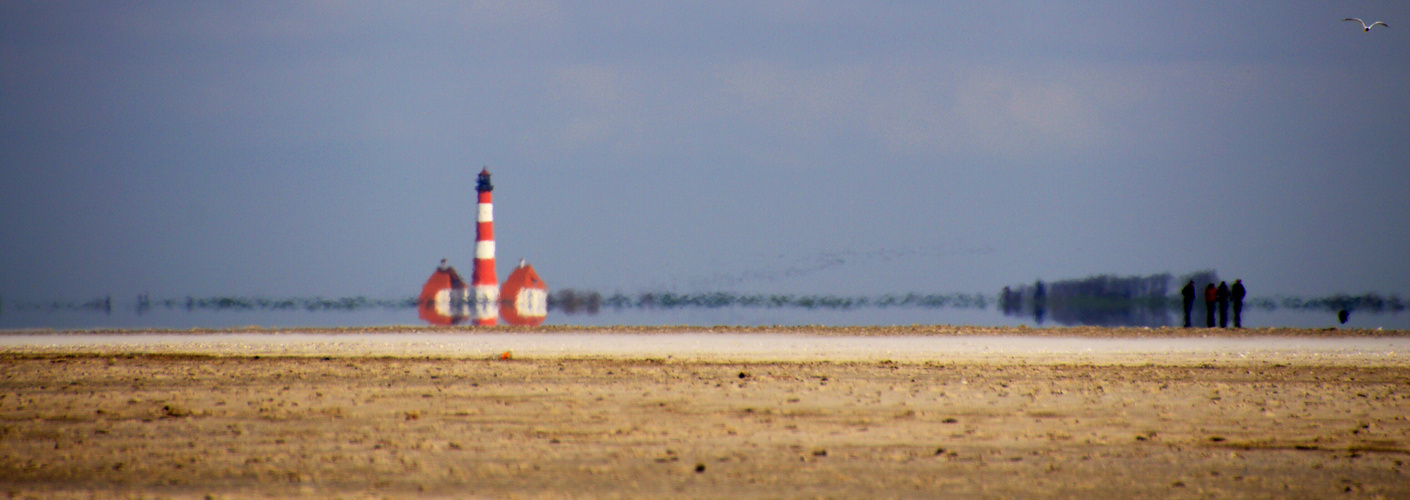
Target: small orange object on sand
[(506, 355)]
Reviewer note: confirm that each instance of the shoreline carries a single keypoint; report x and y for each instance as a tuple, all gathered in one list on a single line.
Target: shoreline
[(862, 331), (717, 346)]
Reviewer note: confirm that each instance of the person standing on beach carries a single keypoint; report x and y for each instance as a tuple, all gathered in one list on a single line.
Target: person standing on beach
[(1189, 294), (1222, 295), (1237, 293), (1209, 296)]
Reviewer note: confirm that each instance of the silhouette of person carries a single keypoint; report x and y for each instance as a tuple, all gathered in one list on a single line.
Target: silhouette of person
[(1222, 295), (1209, 296), (1189, 294), (1040, 301), (1343, 315), (1237, 293)]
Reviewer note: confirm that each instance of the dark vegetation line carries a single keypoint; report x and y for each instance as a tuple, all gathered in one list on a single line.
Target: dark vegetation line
[(1103, 300), (571, 301)]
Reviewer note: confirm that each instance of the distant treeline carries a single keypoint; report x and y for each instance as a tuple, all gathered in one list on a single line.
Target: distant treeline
[(571, 301), (145, 304), (1103, 300), (1107, 300), (567, 301), (1371, 302)]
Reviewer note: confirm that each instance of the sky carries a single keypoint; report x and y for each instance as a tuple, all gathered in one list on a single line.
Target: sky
[(824, 147)]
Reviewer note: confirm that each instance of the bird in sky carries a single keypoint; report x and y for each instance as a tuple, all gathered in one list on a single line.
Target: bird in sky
[(1364, 26)]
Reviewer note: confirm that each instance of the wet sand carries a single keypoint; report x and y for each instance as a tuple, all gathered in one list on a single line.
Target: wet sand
[(694, 413)]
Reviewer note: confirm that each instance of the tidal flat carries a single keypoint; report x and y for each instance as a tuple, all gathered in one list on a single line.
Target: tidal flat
[(119, 421)]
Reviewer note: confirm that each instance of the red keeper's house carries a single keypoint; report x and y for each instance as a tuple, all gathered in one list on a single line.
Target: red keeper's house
[(523, 299), (443, 299)]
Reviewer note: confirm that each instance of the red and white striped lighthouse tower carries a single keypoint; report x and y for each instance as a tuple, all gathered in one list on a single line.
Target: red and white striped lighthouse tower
[(483, 280)]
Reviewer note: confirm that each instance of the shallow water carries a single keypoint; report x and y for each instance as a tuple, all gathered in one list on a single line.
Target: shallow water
[(162, 318)]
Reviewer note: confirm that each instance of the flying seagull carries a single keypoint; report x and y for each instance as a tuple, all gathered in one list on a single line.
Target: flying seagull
[(1364, 26)]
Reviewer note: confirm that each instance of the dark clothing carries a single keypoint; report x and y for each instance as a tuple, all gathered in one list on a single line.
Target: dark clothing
[(1209, 297), (1040, 305), (1222, 295), (1237, 293), (1189, 294)]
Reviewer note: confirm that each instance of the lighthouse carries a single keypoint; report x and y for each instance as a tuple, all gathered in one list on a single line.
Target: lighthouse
[(485, 284)]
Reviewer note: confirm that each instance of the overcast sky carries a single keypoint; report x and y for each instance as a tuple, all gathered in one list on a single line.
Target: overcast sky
[(329, 148)]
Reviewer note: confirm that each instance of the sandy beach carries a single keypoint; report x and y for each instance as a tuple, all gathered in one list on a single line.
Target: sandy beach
[(910, 412)]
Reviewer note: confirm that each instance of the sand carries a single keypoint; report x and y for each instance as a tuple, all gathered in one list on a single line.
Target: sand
[(859, 413)]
